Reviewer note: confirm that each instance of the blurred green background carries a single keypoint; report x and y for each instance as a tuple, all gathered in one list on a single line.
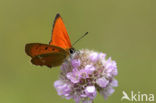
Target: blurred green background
[(124, 29)]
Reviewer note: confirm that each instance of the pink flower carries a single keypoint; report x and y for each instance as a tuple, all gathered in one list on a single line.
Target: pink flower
[(85, 73)]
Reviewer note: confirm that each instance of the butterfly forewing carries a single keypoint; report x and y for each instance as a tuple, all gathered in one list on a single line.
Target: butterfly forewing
[(34, 49), (60, 36)]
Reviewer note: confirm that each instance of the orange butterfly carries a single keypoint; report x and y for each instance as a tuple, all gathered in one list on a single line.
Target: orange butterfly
[(54, 53)]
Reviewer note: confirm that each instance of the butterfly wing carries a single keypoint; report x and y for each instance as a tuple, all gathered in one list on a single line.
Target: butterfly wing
[(35, 49), (50, 59), (60, 36), (43, 54)]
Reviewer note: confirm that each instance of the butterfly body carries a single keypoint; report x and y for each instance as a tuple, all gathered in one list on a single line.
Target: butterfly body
[(54, 53)]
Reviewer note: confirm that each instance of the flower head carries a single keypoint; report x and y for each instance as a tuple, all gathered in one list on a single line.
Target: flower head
[(85, 73)]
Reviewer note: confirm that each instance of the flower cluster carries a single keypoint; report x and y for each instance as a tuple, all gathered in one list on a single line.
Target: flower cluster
[(85, 73)]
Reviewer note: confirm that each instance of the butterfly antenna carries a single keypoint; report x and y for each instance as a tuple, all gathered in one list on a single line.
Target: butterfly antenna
[(80, 38)]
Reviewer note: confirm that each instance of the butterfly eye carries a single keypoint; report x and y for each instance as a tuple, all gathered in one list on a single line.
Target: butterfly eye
[(72, 50)]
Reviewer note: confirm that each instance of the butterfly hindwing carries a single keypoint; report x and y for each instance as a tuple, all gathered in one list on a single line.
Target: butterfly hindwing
[(50, 59)]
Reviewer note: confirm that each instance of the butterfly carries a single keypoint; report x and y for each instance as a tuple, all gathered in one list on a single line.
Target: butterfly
[(54, 53)]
